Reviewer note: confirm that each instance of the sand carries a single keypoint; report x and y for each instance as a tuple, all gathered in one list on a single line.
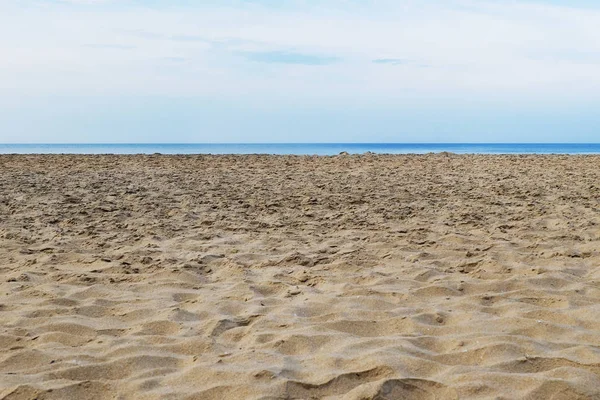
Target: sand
[(282, 277)]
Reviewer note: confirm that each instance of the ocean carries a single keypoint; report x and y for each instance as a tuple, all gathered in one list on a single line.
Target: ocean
[(304, 148)]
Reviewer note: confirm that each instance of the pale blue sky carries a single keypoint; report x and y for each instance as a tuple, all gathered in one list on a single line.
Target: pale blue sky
[(299, 71)]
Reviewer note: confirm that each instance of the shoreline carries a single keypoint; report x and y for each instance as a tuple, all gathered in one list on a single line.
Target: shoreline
[(342, 154), (329, 149)]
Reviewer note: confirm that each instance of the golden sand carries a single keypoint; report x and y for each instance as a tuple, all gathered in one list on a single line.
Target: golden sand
[(288, 277)]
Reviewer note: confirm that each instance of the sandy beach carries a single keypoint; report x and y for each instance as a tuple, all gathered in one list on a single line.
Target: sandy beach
[(294, 277)]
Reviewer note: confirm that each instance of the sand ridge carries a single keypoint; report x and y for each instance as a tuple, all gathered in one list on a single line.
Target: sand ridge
[(295, 277)]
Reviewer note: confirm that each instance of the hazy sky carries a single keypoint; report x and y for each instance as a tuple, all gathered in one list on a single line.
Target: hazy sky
[(299, 71)]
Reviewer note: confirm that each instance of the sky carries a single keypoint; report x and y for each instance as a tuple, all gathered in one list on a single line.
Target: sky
[(264, 71)]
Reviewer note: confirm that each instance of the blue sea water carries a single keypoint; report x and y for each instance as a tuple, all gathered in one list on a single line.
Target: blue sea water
[(303, 148)]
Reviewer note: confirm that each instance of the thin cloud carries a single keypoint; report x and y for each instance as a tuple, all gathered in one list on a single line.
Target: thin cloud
[(400, 61), (188, 38), (481, 47), (571, 56), (391, 61), (140, 33), (110, 46), (175, 59), (285, 57)]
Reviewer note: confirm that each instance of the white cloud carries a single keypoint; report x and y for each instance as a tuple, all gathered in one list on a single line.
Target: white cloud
[(469, 47)]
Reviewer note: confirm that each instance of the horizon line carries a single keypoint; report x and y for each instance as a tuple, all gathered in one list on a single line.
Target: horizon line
[(291, 143)]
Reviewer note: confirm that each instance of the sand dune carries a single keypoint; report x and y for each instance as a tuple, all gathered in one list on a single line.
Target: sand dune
[(264, 277)]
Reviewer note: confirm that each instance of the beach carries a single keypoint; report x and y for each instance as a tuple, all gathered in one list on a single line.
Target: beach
[(436, 276)]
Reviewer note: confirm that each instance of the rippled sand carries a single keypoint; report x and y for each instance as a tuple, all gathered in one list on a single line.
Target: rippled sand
[(348, 277)]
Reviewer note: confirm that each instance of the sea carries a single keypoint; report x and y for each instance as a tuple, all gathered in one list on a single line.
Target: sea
[(322, 149)]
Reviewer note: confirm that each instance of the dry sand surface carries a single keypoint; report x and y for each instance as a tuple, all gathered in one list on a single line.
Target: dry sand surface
[(276, 277)]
